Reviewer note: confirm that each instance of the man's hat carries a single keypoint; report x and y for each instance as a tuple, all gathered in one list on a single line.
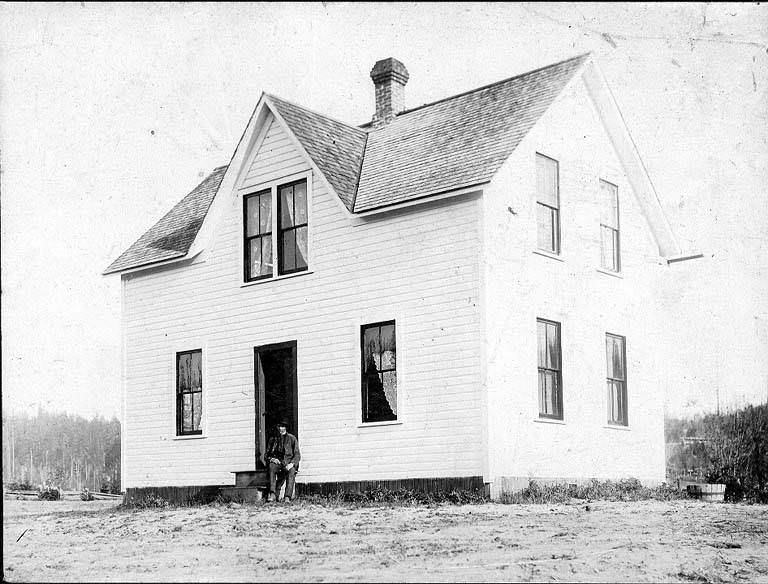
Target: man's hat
[(283, 423)]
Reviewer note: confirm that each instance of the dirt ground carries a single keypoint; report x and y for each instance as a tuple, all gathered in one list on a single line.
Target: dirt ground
[(643, 541)]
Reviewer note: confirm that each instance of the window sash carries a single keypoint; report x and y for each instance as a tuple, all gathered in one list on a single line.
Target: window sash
[(292, 235), (616, 379), (189, 391), (550, 369), (609, 226), (548, 228), (261, 231), (609, 248), (548, 203), (378, 361)]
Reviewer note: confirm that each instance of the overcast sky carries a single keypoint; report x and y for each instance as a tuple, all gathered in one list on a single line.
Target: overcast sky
[(109, 114)]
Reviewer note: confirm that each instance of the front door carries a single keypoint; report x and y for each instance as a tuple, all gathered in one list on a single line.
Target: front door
[(275, 393)]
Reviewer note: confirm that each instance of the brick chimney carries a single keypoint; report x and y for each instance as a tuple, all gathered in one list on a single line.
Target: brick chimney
[(389, 77)]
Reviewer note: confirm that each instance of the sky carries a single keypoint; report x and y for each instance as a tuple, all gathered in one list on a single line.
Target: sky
[(110, 113)]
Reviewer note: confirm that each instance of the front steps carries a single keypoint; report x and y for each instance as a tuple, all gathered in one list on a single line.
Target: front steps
[(251, 486)]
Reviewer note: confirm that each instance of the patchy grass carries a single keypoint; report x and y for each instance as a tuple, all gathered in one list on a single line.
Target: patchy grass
[(594, 490)]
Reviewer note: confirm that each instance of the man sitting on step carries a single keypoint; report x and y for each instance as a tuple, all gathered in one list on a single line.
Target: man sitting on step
[(283, 458)]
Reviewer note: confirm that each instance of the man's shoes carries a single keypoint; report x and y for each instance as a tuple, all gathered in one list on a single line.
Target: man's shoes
[(271, 498), (286, 499)]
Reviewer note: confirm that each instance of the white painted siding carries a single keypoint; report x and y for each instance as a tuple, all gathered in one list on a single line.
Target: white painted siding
[(520, 286), (419, 266)]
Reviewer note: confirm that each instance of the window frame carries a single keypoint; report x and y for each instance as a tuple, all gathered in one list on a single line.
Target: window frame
[(554, 211), (247, 239), (274, 185), (611, 380), (560, 413), (179, 396), (281, 231), (361, 327), (615, 231)]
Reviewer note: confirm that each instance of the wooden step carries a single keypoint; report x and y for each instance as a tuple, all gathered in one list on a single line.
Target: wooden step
[(251, 478)]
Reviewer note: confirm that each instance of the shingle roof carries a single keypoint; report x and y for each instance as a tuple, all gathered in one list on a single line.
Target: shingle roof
[(172, 236), (457, 142), (336, 148)]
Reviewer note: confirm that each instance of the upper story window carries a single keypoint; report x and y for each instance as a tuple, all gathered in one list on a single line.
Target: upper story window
[(292, 232), (616, 358), (258, 235), (550, 369), (275, 224), (609, 226), (547, 204), (378, 350), (189, 392)]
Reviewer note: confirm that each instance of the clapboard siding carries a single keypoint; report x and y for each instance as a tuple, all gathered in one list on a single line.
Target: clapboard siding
[(420, 268), (520, 286)]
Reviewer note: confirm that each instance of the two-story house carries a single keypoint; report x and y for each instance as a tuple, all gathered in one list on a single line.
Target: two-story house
[(461, 294)]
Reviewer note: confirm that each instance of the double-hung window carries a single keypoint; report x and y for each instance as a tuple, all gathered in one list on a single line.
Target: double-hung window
[(616, 357), (378, 349), (189, 392), (276, 247), (609, 226), (550, 370), (257, 209), (547, 204)]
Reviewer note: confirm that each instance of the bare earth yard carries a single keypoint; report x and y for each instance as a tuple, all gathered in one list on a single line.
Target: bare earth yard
[(641, 541)]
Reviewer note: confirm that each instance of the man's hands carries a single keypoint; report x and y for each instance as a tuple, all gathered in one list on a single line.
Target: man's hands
[(289, 466), (275, 460)]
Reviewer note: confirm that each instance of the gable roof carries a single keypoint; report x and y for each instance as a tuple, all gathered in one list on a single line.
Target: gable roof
[(455, 143), (172, 236)]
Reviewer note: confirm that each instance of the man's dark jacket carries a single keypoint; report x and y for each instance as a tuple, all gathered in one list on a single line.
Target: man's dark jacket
[(285, 448)]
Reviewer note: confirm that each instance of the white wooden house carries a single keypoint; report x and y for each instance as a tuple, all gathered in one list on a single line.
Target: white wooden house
[(466, 291)]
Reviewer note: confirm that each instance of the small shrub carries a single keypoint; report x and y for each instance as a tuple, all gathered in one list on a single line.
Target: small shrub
[(86, 495), (148, 502), (19, 486), (624, 490), (49, 494)]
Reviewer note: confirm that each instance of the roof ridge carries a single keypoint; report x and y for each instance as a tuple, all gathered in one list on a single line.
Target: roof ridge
[(508, 79), (317, 113)]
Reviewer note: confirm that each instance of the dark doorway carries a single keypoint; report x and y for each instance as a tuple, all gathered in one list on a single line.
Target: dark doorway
[(276, 392)]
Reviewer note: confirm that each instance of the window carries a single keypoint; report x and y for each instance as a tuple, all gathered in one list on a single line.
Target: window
[(616, 357), (550, 374), (379, 371), (292, 231), (547, 204), (283, 240), (609, 226), (189, 392), (257, 210)]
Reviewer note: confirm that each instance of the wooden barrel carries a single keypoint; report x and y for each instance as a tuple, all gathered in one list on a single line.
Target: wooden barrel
[(712, 492)]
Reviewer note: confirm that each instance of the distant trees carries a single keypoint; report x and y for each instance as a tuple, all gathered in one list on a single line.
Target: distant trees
[(729, 448), (65, 450)]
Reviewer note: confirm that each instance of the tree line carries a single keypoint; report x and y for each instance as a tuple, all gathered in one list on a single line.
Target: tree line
[(62, 450), (729, 448)]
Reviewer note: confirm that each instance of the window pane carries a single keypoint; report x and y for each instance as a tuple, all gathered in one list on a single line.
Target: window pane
[(286, 207), (251, 216), (607, 248), (609, 204), (300, 202), (545, 228), (186, 412), (301, 247), (288, 254), (371, 349), (389, 381), (388, 348), (548, 393), (376, 406), (197, 402), (254, 257), (196, 371), (541, 332), (265, 213), (266, 256), (547, 181), (615, 357), (553, 347), (183, 374)]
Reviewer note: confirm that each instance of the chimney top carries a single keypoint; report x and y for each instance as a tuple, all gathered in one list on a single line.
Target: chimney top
[(389, 78)]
